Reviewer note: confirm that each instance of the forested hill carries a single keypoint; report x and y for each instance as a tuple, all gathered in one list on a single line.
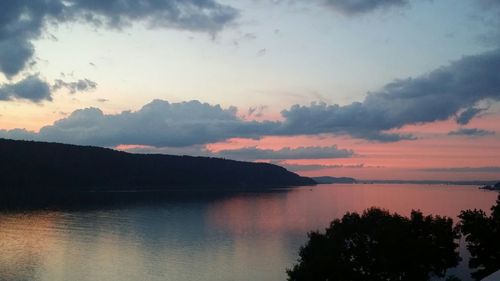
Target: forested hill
[(28, 165)]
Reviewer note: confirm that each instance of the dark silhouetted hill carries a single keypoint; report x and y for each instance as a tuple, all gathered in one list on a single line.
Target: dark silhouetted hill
[(28, 165), (329, 180)]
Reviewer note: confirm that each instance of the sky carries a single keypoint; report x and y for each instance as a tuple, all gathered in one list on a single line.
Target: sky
[(375, 89)]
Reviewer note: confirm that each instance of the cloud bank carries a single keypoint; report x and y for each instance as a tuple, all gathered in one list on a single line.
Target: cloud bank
[(435, 96), (444, 93), (158, 124)]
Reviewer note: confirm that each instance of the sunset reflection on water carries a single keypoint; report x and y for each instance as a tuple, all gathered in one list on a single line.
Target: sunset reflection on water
[(304, 209), (250, 236)]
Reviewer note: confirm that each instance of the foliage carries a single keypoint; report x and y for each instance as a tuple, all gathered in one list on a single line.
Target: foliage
[(377, 245), (482, 234)]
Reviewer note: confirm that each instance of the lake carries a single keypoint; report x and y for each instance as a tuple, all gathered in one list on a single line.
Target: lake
[(245, 236)]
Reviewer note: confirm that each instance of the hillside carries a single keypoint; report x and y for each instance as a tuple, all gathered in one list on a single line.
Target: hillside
[(28, 165), (330, 180)]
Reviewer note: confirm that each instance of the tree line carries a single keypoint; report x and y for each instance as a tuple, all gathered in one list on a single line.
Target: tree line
[(379, 246)]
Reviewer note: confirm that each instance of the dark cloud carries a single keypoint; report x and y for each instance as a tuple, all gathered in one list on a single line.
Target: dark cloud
[(355, 7), (31, 88), (23, 21), (464, 117), (20, 22), (14, 55), (34, 89), (197, 15), (471, 132), (355, 119), (314, 152), (82, 85), (436, 96), (492, 169)]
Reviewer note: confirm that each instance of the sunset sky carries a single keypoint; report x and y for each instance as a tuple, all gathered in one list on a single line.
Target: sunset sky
[(375, 89)]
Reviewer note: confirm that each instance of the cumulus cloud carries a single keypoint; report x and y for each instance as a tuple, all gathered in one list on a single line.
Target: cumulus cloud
[(436, 96), (23, 21), (82, 85), (355, 7), (158, 124), (31, 88), (312, 152), (471, 132)]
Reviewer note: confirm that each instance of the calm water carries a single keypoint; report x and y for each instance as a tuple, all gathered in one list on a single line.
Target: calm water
[(252, 236)]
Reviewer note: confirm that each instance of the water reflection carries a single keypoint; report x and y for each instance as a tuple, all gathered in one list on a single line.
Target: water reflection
[(252, 236), (304, 209)]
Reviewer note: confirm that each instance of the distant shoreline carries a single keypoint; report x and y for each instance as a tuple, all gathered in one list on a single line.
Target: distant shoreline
[(348, 180), (477, 183)]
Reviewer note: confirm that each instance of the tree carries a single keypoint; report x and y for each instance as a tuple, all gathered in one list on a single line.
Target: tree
[(377, 245), (482, 234)]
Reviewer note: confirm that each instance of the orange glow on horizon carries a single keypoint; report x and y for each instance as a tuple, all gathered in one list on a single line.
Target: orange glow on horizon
[(405, 159)]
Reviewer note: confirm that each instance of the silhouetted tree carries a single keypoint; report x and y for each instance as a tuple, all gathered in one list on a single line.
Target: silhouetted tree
[(377, 246), (482, 234)]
